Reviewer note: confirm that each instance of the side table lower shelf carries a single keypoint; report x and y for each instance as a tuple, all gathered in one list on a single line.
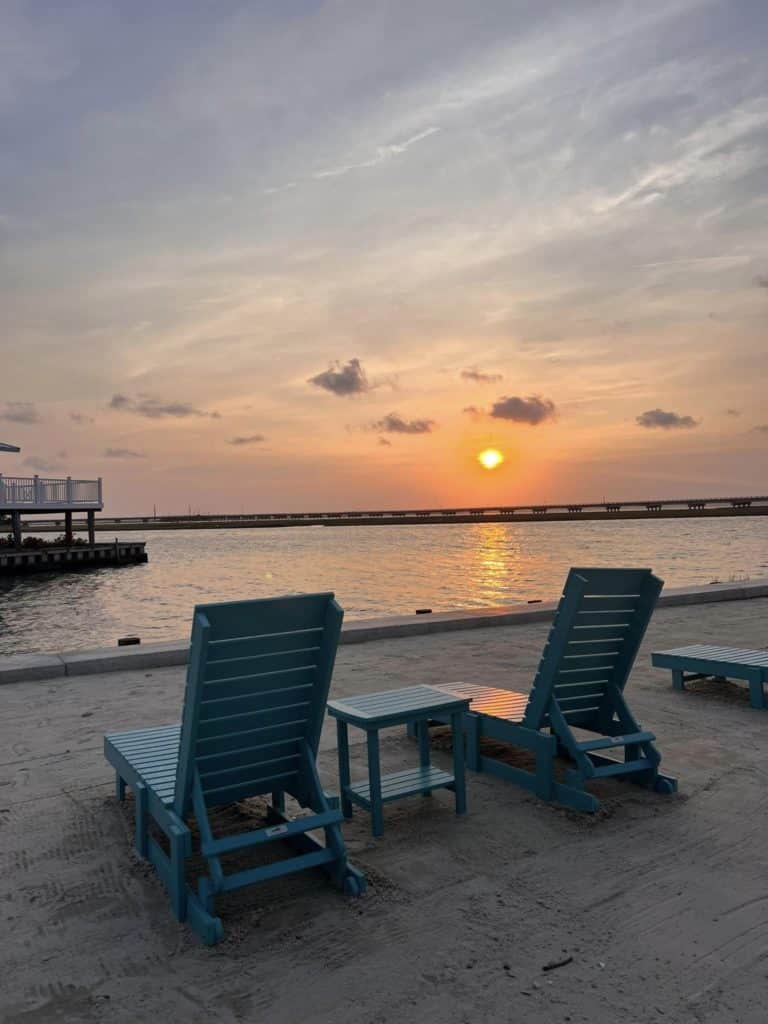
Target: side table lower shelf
[(399, 784)]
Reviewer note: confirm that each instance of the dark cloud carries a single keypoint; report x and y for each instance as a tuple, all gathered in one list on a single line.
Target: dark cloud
[(41, 465), (123, 453), (532, 410), (478, 377), (80, 418), (472, 410), (385, 442), (394, 424), (249, 439), (155, 409), (343, 381), (21, 412), (660, 418), (733, 412), (761, 428), (762, 280)]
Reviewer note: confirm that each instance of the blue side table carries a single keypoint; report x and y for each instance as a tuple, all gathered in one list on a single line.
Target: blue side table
[(412, 706)]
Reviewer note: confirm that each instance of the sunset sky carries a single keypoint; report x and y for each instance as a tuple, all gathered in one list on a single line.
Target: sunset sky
[(304, 255)]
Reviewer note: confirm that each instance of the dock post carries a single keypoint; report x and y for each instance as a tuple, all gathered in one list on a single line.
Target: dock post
[(68, 529), (91, 527), (16, 527)]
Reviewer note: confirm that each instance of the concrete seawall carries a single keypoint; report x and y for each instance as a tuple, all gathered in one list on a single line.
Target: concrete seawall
[(30, 667)]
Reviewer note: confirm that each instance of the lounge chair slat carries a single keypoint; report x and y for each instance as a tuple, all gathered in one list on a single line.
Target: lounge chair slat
[(293, 730), (245, 666), (261, 700)]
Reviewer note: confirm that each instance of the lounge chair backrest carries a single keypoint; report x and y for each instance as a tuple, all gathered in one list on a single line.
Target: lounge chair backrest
[(600, 622), (257, 685)]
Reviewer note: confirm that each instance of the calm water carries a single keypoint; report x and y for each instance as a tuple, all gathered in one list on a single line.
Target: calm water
[(374, 570)]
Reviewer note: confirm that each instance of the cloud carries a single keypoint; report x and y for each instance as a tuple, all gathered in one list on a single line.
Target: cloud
[(385, 442), (155, 409), (382, 153), (660, 418), (41, 465), (349, 379), (21, 412), (80, 418), (394, 424), (733, 412), (761, 428), (478, 377), (249, 439), (123, 453), (532, 410), (762, 280)]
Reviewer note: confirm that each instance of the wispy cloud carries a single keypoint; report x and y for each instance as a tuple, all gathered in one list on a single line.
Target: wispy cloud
[(343, 381), (21, 412), (383, 153), (392, 423), (761, 428), (156, 409), (42, 465), (80, 418), (665, 420), (247, 439), (123, 453), (478, 377)]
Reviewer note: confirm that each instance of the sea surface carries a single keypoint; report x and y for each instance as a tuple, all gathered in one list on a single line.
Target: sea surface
[(374, 570)]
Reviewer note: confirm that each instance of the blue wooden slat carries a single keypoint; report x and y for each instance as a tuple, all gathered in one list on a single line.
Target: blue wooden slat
[(267, 643), (246, 666), (261, 701)]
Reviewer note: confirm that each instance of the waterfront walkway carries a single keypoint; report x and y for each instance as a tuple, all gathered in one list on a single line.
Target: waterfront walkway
[(659, 901)]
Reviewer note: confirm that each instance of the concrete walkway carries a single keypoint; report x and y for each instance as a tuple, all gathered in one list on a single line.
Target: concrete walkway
[(659, 901)]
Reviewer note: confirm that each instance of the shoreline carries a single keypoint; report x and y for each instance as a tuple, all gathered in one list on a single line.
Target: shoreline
[(43, 666)]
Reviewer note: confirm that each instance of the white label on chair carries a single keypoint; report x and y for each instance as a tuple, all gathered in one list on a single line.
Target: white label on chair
[(277, 830)]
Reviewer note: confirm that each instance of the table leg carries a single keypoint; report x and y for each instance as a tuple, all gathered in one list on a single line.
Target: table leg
[(342, 741), (458, 762), (422, 731), (374, 780)]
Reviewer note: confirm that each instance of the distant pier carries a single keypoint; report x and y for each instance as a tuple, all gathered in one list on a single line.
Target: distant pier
[(20, 562), (38, 495), (699, 508)]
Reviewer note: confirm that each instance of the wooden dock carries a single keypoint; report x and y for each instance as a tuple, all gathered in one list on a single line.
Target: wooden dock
[(20, 562)]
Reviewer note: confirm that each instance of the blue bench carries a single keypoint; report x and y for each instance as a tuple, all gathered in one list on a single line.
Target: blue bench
[(705, 661)]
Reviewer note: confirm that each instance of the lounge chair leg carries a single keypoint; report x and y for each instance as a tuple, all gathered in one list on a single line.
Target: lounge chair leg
[(410, 730), (119, 787), (471, 724), (178, 887), (140, 793), (678, 681)]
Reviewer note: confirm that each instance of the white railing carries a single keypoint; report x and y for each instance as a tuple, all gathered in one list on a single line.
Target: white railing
[(19, 492)]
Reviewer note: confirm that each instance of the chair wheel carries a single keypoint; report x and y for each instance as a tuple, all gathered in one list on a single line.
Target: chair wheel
[(664, 786)]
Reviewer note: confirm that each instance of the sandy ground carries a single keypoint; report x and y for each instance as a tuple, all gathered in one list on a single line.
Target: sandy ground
[(661, 902)]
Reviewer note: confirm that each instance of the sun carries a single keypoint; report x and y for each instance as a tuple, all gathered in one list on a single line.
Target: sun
[(491, 458)]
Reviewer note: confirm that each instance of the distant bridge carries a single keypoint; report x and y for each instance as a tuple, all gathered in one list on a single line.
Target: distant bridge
[(668, 508)]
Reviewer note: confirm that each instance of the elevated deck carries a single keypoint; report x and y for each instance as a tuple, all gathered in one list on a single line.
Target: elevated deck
[(21, 562), (37, 494)]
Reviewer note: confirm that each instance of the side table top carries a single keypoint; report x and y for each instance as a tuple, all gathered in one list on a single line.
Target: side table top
[(373, 709)]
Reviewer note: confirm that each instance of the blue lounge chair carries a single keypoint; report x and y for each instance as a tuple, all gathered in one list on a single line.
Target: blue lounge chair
[(257, 685), (576, 708), (704, 661)]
